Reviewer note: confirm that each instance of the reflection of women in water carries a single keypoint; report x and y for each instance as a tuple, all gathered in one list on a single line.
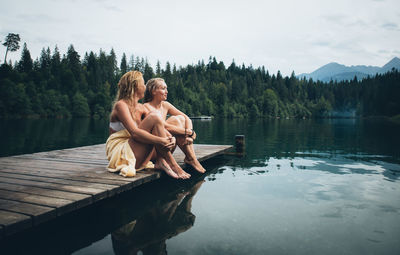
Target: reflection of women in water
[(133, 137), (179, 124), (150, 232)]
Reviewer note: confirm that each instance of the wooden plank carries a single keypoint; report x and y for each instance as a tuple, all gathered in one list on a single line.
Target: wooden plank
[(64, 169), (51, 165), (14, 222), (96, 193), (206, 151), (145, 176), (142, 176), (81, 155), (80, 199), (100, 175), (203, 152), (50, 160), (62, 205), (39, 213), (36, 187), (91, 156), (65, 176), (112, 189)]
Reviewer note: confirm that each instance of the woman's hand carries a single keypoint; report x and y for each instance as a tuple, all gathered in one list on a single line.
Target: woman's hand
[(194, 135), (173, 140), (168, 143), (190, 134), (188, 141)]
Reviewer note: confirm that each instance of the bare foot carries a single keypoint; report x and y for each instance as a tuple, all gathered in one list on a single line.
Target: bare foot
[(196, 165), (179, 171), (162, 164)]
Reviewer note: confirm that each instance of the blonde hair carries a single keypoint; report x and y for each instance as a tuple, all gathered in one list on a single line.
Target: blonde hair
[(151, 85), (127, 86)]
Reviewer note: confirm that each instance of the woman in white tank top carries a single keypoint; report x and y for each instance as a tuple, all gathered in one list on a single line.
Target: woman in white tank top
[(179, 124)]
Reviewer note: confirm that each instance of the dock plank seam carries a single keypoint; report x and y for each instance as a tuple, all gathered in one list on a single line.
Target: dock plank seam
[(67, 180)]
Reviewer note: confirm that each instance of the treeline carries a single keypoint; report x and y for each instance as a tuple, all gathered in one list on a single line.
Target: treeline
[(68, 85)]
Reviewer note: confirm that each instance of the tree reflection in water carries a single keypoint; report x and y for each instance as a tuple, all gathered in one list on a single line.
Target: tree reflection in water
[(149, 232)]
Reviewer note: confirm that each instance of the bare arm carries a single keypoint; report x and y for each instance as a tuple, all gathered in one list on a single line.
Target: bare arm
[(124, 115), (172, 110)]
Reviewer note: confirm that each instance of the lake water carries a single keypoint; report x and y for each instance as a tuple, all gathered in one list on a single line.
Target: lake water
[(303, 187)]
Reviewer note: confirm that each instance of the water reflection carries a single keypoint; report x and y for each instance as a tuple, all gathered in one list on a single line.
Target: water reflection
[(21, 136), (149, 232), (341, 164), (264, 138), (304, 186)]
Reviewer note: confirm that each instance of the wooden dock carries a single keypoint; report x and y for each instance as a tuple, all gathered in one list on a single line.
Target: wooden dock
[(35, 188)]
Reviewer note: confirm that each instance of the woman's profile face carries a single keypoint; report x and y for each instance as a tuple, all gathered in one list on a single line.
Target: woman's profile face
[(161, 92)]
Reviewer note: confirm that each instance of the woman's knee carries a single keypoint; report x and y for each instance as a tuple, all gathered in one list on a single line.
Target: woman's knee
[(181, 118), (155, 117), (174, 120), (178, 120)]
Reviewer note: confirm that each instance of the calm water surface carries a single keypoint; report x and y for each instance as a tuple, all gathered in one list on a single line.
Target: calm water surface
[(303, 187)]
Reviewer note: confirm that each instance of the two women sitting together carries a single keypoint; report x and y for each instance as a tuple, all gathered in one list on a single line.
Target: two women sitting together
[(141, 133)]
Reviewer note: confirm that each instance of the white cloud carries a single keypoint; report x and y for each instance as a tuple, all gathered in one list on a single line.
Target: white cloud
[(281, 35)]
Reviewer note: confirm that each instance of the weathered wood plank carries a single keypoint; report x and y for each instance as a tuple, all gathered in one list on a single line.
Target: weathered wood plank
[(80, 199), (33, 163), (100, 174), (62, 205), (96, 193), (39, 213), (36, 187), (14, 222), (50, 160), (64, 176), (206, 151), (65, 169), (112, 189), (81, 155)]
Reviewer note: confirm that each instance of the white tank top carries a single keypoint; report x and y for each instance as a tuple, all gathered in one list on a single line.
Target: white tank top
[(117, 126)]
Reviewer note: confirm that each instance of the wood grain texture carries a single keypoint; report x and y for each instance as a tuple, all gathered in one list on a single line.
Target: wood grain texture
[(38, 187)]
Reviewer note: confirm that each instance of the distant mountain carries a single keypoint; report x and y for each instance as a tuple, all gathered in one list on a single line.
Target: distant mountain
[(394, 63), (334, 71)]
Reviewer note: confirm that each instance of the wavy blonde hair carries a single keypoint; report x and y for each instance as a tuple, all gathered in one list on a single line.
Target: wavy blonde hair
[(151, 85), (127, 86)]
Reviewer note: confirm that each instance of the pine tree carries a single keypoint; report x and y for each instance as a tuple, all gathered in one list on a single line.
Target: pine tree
[(25, 65), (123, 65), (12, 44), (158, 68)]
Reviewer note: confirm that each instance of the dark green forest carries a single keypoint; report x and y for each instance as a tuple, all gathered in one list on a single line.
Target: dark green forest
[(69, 85)]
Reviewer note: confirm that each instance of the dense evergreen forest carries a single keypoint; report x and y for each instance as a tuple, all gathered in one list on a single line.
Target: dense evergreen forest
[(68, 85)]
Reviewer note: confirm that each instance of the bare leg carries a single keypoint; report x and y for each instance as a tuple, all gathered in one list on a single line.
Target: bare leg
[(187, 203), (143, 152), (166, 154), (188, 150), (164, 160)]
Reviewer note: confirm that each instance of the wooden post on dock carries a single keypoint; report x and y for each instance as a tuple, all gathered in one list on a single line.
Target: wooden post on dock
[(240, 144)]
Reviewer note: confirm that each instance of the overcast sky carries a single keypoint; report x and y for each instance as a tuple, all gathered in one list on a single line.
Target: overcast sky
[(283, 35)]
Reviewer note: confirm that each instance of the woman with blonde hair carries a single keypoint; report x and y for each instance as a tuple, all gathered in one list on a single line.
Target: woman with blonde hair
[(134, 134), (179, 124)]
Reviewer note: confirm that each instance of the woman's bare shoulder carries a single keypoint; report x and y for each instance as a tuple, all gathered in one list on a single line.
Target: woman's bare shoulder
[(116, 109), (120, 107), (140, 107), (166, 104), (120, 104), (146, 105)]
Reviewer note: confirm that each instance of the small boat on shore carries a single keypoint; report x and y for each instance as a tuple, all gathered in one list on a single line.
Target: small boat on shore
[(201, 117)]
